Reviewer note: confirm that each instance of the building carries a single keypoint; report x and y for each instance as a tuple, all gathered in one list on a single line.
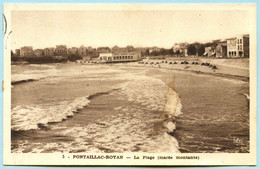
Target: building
[(106, 57), (115, 49), (38, 52), (17, 52), (26, 51), (127, 49), (119, 57), (61, 50), (221, 49), (232, 47), (238, 46), (209, 52), (103, 50), (49, 51), (82, 51), (181, 49), (244, 46)]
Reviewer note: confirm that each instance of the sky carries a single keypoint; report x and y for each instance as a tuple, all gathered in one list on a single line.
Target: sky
[(47, 28)]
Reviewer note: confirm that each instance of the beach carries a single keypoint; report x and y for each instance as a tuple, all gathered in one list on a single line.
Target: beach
[(130, 107)]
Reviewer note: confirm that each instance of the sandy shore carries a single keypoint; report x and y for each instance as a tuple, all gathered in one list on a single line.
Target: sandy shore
[(228, 68)]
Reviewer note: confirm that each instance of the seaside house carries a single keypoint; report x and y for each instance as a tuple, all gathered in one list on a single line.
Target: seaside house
[(221, 49), (103, 50), (38, 52), (181, 48), (61, 50), (82, 51), (49, 51), (115, 49), (26, 51), (238, 46)]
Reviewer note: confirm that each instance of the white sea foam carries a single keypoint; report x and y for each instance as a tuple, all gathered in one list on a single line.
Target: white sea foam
[(28, 117)]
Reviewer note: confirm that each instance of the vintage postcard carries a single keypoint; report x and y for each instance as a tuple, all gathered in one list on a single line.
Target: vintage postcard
[(129, 84)]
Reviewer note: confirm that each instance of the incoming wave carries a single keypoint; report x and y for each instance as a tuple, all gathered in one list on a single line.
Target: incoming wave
[(36, 117), (172, 108), (155, 95)]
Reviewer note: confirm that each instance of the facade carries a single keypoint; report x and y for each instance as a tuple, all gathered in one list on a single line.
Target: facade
[(26, 51), (232, 47), (245, 44), (127, 49), (106, 57), (238, 46), (82, 51), (119, 57), (221, 49), (182, 48), (115, 49), (38, 52), (61, 49), (103, 50), (209, 52), (49, 51)]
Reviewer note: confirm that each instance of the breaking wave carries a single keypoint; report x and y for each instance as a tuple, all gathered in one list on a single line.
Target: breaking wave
[(36, 117), (28, 76)]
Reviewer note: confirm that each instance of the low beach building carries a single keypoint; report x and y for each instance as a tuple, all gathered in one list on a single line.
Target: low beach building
[(26, 51), (119, 57), (105, 57)]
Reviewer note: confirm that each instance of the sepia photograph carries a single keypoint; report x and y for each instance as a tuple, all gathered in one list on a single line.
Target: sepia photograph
[(130, 82)]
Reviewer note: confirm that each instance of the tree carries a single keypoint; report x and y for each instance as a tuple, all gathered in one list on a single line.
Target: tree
[(178, 53), (201, 49), (73, 57), (192, 49)]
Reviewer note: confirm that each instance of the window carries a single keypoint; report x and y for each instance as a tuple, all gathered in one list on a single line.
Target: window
[(128, 57), (235, 53), (240, 40), (131, 57), (241, 47), (237, 40), (237, 47)]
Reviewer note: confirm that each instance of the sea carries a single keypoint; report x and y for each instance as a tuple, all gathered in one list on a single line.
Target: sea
[(111, 108)]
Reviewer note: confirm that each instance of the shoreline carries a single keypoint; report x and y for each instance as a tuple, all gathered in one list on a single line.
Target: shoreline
[(217, 74)]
